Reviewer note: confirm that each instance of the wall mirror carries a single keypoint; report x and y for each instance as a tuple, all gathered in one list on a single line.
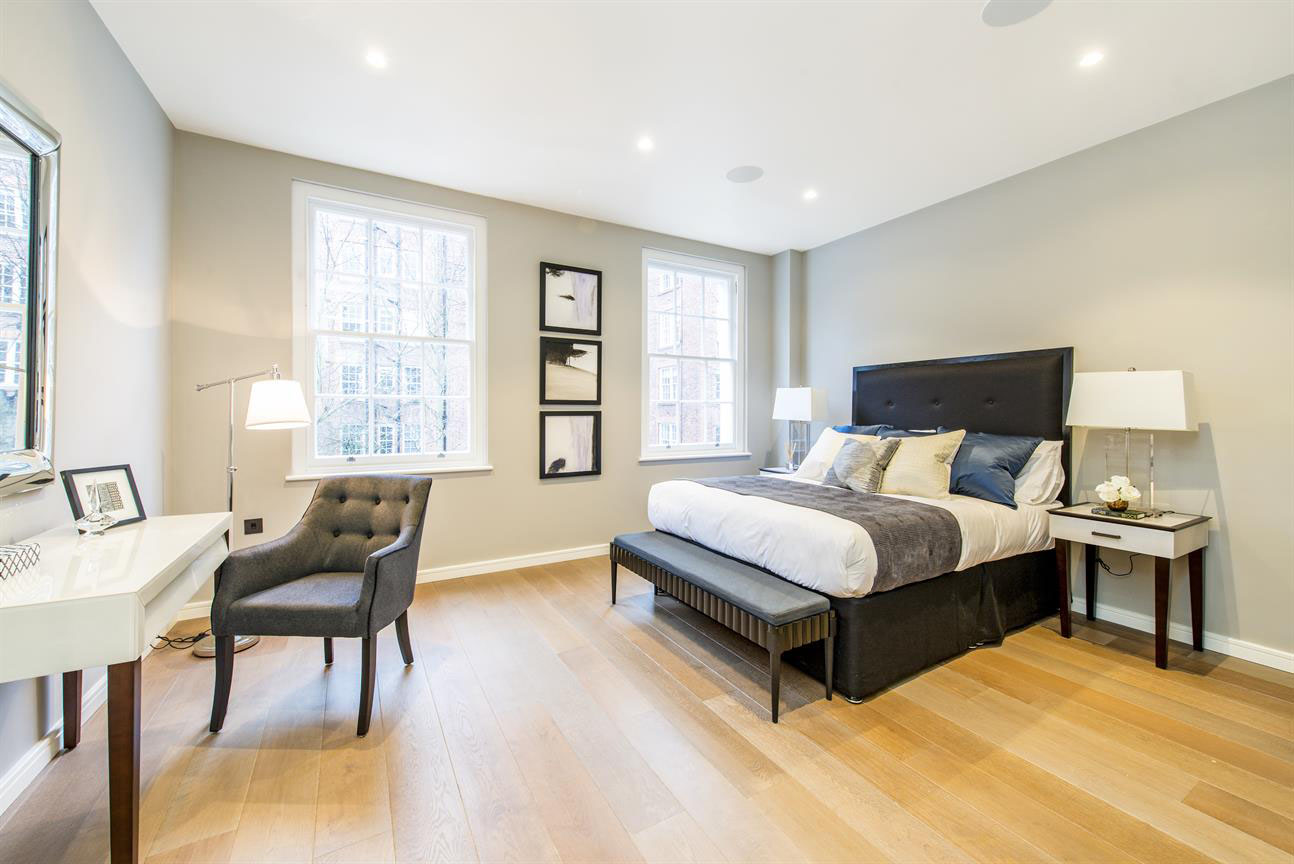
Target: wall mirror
[(28, 223)]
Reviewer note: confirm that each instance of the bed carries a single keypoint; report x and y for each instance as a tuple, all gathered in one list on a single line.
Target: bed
[(1001, 574)]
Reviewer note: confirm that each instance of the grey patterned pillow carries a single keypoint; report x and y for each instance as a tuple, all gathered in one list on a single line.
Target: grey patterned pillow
[(860, 465)]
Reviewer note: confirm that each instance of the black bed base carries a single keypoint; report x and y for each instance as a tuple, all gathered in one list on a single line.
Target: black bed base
[(883, 638)]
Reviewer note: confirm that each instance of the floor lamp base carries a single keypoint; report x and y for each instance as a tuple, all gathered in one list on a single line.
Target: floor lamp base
[(207, 647)]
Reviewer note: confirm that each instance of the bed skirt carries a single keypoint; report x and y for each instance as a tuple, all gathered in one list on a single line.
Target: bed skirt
[(886, 637)]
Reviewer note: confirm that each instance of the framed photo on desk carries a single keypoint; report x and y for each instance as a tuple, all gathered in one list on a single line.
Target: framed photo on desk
[(118, 495)]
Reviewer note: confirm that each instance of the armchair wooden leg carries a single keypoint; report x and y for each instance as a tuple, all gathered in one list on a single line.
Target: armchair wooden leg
[(327, 651), (367, 677), (224, 679), (402, 636)]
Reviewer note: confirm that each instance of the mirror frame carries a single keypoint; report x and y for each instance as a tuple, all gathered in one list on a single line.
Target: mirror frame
[(33, 466)]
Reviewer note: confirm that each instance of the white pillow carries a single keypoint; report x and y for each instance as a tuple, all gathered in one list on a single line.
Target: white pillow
[(1042, 477), (824, 451), (922, 465)]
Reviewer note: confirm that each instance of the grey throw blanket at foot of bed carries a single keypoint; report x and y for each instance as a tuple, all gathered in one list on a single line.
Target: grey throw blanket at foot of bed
[(913, 541)]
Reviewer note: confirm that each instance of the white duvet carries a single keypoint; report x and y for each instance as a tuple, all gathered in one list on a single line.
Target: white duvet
[(826, 553)]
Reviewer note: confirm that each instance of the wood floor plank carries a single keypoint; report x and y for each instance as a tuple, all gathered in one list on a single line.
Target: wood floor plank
[(539, 723)]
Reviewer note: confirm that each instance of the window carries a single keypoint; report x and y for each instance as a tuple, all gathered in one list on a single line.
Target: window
[(11, 282), (694, 368), (9, 210), (390, 319)]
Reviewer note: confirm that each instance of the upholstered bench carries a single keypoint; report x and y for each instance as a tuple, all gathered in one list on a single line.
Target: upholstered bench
[(768, 610)]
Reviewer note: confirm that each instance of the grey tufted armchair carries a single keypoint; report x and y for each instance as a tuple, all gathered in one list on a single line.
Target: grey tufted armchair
[(347, 570)]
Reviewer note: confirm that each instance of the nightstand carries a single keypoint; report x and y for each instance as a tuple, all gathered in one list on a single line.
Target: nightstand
[(1165, 538), (779, 471)]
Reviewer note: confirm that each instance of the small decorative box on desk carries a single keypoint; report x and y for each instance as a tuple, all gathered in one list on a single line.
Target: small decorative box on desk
[(1165, 537), (778, 471)]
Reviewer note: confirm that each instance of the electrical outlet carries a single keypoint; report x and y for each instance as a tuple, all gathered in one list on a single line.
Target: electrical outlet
[(253, 526)]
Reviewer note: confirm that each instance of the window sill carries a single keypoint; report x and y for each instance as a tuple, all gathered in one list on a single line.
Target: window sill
[(693, 457), (448, 469)]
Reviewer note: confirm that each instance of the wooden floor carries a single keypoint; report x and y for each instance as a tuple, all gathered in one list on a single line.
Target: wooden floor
[(540, 724)]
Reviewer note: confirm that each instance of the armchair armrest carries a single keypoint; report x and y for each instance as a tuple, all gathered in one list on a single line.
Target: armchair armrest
[(246, 571), (391, 573)]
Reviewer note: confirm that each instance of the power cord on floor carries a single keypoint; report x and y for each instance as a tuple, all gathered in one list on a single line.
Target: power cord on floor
[(179, 643), (1107, 569)]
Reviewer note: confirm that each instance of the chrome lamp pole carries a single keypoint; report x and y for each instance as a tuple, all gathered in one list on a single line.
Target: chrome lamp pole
[(274, 404)]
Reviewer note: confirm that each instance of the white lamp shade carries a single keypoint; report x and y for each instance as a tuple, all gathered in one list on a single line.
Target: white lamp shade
[(793, 403), (277, 404), (1133, 400)]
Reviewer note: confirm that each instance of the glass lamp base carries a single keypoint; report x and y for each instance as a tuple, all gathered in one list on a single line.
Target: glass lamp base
[(207, 647)]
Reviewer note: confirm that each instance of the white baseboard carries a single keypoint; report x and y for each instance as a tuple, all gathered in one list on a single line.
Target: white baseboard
[(494, 565), (196, 609), (1251, 651), (23, 772)]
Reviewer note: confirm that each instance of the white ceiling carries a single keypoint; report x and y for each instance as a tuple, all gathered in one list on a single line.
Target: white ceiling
[(883, 107)]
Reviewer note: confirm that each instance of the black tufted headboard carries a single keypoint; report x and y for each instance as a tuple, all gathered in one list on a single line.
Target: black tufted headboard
[(1019, 393)]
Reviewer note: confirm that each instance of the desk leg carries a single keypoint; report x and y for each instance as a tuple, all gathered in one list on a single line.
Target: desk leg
[(1062, 574), (71, 709), (1196, 561), (123, 761), (1092, 566), (1163, 586)]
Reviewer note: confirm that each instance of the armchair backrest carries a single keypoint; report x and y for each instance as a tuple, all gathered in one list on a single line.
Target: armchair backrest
[(351, 517)]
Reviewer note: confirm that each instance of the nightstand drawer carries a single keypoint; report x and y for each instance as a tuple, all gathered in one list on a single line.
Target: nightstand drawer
[(1130, 537)]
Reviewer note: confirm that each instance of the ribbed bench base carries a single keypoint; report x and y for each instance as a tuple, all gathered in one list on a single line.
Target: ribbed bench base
[(774, 638)]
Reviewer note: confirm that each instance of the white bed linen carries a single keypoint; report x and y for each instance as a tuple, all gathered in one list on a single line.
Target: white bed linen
[(824, 552)]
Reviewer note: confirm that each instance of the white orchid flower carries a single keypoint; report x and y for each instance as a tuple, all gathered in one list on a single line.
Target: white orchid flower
[(1118, 480), (1129, 492), (1107, 492)]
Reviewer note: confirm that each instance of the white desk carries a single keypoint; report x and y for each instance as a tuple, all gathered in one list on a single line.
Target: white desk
[(98, 601)]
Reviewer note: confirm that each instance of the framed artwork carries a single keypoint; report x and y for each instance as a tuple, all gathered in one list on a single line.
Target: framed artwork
[(570, 372), (570, 299), (115, 484), (570, 443)]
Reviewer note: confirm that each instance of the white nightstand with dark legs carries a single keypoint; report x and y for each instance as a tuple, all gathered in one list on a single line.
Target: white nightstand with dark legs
[(1165, 538)]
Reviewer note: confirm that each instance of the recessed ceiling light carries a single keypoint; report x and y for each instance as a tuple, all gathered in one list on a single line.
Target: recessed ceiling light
[(1004, 13), (646, 145), (810, 194), (745, 174), (1091, 58), (375, 58)]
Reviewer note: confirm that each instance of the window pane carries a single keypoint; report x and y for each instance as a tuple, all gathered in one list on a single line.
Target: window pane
[(689, 292), (341, 365), (719, 424), (447, 426), (692, 373), (445, 258), (719, 382), (449, 370), (718, 297), (663, 379), (15, 240), (691, 423), (663, 333), (690, 335), (446, 313), (716, 338), (660, 290), (341, 243), (340, 302), (663, 424), (396, 250), (341, 426)]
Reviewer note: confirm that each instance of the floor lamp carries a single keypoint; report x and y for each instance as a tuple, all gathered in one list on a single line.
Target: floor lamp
[(274, 404)]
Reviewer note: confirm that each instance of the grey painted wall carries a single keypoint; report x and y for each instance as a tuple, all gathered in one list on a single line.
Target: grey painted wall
[(114, 254), (1169, 248), (232, 313)]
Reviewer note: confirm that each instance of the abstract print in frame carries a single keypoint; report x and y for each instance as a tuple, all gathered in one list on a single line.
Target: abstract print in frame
[(570, 443), (570, 299)]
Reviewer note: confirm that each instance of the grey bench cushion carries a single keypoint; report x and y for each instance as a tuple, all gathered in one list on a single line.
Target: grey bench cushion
[(761, 594)]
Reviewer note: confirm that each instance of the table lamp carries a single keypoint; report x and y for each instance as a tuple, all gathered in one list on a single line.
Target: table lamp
[(277, 403), (1150, 401), (795, 404)]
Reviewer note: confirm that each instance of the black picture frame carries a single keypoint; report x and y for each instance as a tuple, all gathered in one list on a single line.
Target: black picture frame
[(74, 496), (549, 345), (545, 267), (546, 465)]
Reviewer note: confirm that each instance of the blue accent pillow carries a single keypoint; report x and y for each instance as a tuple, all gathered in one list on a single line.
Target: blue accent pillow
[(875, 429), (986, 466)]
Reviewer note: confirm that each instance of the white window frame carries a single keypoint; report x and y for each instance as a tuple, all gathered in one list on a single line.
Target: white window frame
[(307, 466), (738, 447)]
